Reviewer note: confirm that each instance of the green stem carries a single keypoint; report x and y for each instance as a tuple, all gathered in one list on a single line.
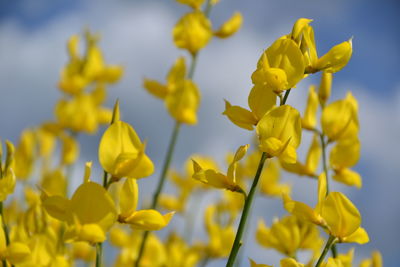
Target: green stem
[(105, 179), (287, 92), (247, 204), (99, 253), (331, 241)]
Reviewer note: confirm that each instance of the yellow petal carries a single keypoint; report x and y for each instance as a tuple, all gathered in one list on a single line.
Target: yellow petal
[(282, 123), (289, 262), (360, 236), (310, 115), (254, 264), (230, 27), (345, 153), (261, 99), (149, 220), (121, 152), (57, 207), (313, 155), (348, 177), (298, 28), (183, 103), (91, 233), (92, 204), (340, 214), (18, 253), (240, 116), (128, 197), (336, 58), (300, 210), (196, 4), (155, 88), (177, 74)]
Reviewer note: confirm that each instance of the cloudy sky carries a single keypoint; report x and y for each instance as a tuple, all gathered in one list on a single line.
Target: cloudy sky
[(137, 34)]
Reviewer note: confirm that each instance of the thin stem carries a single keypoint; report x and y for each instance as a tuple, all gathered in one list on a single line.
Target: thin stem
[(324, 161), (331, 241), (247, 204), (99, 253), (105, 179), (287, 92)]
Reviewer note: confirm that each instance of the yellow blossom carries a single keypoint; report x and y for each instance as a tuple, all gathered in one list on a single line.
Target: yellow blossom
[(279, 133), (230, 26), (192, 32)]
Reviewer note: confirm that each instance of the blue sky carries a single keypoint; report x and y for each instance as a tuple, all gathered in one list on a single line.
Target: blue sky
[(137, 35)]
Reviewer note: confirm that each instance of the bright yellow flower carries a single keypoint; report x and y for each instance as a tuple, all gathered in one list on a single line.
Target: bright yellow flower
[(217, 179), (339, 119), (183, 102), (121, 153), (334, 212), (336, 58), (288, 235), (280, 67), (230, 26), (149, 220), (192, 32), (89, 213), (7, 176), (279, 133)]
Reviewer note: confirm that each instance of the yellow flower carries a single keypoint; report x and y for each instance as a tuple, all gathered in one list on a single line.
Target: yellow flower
[(15, 252), (7, 176), (279, 133), (280, 67), (183, 102), (339, 119), (89, 213), (374, 261), (121, 153), (288, 235), (149, 220), (230, 26), (334, 212), (219, 180), (192, 32), (336, 58), (24, 156)]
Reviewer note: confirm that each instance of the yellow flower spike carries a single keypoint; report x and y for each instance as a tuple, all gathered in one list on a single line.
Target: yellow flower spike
[(254, 264), (340, 214), (270, 177), (121, 152), (298, 28), (279, 133), (192, 32), (183, 102), (155, 88), (261, 99), (70, 149), (310, 114), (230, 27), (195, 4), (240, 116), (324, 91), (336, 59), (339, 119)]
